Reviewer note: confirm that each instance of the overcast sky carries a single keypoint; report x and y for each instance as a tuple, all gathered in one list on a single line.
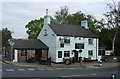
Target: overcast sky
[(16, 14)]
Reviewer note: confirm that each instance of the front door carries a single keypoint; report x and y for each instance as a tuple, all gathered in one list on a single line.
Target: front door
[(76, 56)]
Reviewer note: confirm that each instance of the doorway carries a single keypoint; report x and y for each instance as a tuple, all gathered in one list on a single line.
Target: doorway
[(76, 56), (38, 54)]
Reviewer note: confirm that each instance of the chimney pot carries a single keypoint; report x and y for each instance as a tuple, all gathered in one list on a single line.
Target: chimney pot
[(46, 11), (84, 24)]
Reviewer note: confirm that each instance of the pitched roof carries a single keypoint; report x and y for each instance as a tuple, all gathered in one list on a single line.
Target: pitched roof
[(71, 30), (29, 44)]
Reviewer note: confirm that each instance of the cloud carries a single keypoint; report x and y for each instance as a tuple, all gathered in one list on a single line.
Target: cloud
[(57, 0), (15, 15)]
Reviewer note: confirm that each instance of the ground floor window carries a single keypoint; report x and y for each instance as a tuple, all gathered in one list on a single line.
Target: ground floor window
[(23, 52), (59, 54), (66, 53), (90, 52)]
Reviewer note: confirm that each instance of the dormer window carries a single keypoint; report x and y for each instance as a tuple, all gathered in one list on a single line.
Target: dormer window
[(45, 32)]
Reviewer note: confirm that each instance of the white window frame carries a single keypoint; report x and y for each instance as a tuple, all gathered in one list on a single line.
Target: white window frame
[(90, 41), (89, 53)]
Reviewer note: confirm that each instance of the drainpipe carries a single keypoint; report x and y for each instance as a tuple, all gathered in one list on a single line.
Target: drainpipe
[(96, 49)]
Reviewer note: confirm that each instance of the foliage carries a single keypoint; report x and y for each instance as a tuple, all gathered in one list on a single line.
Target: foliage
[(6, 34), (111, 22), (34, 27), (106, 36), (63, 17)]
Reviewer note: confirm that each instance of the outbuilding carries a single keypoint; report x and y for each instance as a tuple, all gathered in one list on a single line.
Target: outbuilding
[(23, 49)]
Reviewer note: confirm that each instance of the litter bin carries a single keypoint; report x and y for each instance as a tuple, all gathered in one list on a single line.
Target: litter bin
[(67, 62), (80, 60)]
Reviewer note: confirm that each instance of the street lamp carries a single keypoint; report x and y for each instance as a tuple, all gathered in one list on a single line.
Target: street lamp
[(11, 45)]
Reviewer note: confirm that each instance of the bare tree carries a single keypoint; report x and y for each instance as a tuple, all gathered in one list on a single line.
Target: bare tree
[(113, 20)]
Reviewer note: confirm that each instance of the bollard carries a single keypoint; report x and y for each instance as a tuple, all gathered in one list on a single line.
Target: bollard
[(80, 61), (100, 63)]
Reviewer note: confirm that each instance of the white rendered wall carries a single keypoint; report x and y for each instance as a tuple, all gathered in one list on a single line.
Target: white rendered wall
[(15, 56), (49, 40), (71, 46)]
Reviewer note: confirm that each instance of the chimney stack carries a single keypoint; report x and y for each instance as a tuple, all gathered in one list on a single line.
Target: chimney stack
[(84, 24), (46, 12), (46, 18)]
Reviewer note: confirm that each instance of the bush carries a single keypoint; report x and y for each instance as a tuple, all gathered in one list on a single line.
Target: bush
[(104, 58)]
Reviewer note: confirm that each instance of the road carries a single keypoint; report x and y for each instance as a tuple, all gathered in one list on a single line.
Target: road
[(0, 65), (16, 71)]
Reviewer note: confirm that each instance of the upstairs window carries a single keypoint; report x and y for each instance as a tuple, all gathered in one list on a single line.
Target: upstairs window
[(62, 45), (66, 40), (79, 46), (45, 32), (90, 41)]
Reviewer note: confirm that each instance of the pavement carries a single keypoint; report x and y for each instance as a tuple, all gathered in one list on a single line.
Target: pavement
[(89, 65)]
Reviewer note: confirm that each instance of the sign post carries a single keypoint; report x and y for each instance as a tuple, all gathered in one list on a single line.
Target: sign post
[(11, 45)]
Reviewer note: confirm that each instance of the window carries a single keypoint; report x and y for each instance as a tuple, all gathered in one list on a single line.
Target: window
[(45, 34), (79, 46), (90, 41), (90, 53), (23, 52), (66, 40), (59, 54), (61, 45), (66, 53)]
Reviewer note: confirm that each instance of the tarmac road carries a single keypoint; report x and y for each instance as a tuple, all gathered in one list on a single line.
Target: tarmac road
[(16, 71)]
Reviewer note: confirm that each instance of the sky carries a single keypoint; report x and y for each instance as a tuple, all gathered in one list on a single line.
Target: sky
[(17, 13)]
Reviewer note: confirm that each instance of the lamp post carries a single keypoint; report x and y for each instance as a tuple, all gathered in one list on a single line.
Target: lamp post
[(11, 45)]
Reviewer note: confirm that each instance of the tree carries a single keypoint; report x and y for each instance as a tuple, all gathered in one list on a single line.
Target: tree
[(112, 21), (34, 27), (61, 16), (64, 17), (76, 18), (6, 34)]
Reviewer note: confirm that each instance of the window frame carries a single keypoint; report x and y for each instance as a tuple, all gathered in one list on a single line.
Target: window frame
[(66, 53), (89, 52), (67, 40), (61, 45), (82, 47), (60, 54), (90, 41)]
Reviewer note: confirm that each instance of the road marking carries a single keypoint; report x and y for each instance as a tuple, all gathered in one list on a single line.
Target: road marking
[(40, 69), (93, 74), (21, 69), (49, 69), (10, 70), (75, 75), (31, 69), (58, 69)]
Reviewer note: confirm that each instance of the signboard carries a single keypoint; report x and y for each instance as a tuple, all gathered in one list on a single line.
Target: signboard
[(108, 52)]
